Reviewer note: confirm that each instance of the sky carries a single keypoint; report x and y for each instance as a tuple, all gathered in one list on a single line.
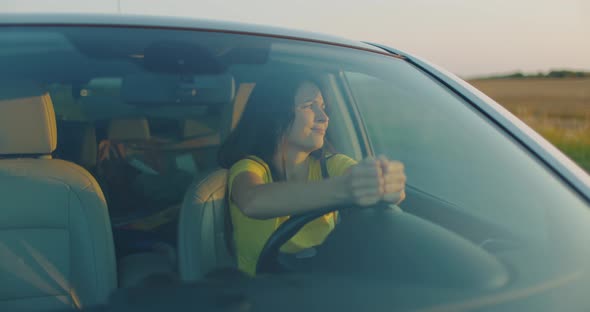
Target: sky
[(467, 37)]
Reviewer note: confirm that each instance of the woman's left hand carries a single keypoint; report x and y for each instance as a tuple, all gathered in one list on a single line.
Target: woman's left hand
[(394, 180)]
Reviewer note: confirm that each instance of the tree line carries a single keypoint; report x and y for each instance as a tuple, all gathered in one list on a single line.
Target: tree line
[(550, 74)]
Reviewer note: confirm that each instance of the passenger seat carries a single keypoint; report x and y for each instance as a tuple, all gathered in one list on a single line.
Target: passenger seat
[(56, 245), (204, 244), (202, 241)]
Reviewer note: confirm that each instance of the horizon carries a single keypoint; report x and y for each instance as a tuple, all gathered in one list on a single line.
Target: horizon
[(531, 75), (469, 38)]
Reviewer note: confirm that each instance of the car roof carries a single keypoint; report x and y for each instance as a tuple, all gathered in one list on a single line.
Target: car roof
[(151, 21)]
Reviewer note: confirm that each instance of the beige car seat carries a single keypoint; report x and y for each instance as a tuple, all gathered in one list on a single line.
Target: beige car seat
[(56, 245), (202, 237)]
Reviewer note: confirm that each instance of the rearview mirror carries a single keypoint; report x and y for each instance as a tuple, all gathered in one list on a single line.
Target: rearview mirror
[(177, 57), (149, 89)]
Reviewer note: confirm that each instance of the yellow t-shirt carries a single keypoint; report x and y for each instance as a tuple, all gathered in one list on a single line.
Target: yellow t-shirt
[(250, 235)]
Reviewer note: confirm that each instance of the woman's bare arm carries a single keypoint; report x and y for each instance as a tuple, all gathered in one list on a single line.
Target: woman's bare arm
[(362, 184), (264, 201)]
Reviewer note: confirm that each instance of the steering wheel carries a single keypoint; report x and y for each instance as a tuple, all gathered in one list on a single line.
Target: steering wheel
[(268, 259), (382, 242)]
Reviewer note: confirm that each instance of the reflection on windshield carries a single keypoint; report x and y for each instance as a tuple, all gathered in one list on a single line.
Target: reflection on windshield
[(145, 112)]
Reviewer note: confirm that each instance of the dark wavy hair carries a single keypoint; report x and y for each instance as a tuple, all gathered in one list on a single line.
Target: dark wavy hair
[(266, 119)]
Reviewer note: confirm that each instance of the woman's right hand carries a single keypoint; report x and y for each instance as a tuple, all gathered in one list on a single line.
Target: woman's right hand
[(366, 182), (373, 180)]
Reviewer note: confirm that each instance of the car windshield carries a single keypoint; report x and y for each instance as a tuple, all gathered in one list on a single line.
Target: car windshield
[(145, 110)]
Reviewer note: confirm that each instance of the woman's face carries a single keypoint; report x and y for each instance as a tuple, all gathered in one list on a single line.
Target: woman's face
[(311, 122)]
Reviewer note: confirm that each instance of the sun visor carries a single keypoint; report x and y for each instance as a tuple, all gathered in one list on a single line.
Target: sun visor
[(156, 90)]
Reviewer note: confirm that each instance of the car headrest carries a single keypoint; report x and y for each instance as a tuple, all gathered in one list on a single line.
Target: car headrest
[(27, 120), (122, 130)]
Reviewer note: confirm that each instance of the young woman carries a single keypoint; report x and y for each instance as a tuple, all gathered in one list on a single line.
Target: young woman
[(274, 160)]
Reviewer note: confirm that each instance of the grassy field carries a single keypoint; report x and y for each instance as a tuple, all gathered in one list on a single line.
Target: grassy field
[(558, 109)]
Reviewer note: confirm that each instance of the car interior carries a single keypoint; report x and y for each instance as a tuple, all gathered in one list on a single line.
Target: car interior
[(141, 194), (110, 177), (125, 190)]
